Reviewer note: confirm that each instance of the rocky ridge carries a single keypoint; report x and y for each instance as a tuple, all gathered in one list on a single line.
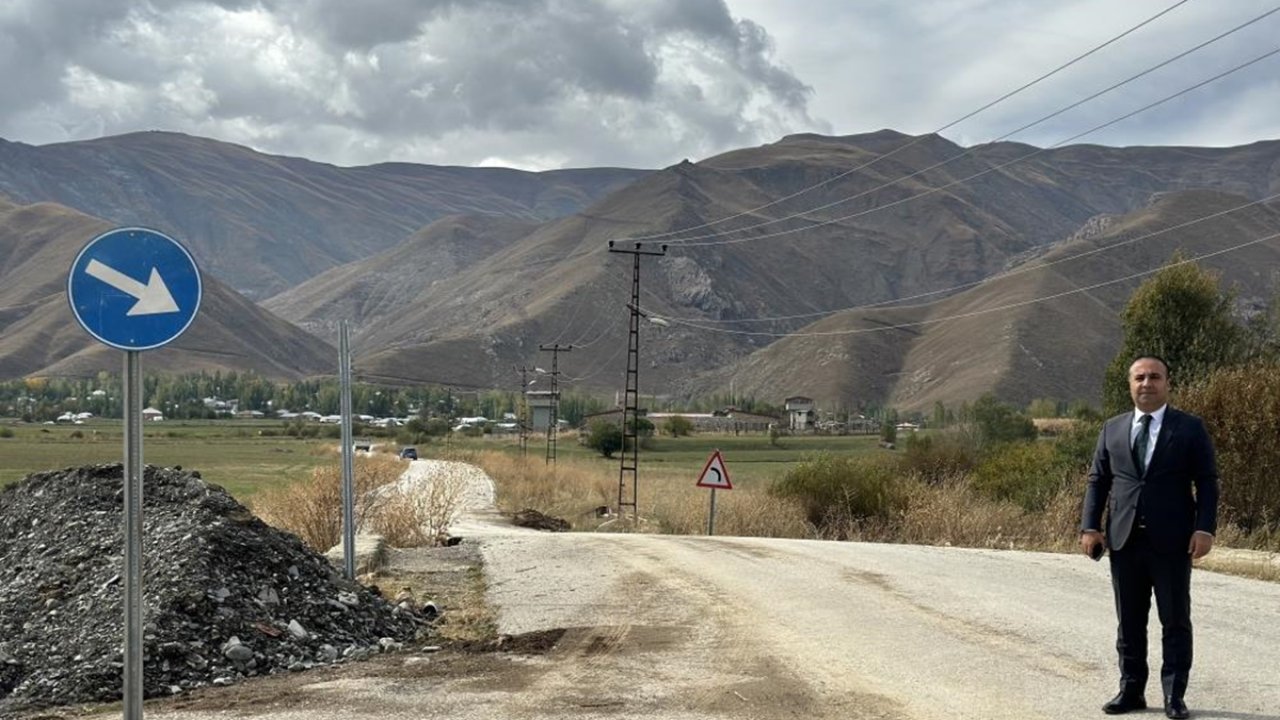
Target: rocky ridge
[(225, 596)]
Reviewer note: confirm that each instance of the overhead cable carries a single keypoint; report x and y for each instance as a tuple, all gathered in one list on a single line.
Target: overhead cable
[(920, 138), (984, 311), (963, 286), (689, 241), (993, 168)]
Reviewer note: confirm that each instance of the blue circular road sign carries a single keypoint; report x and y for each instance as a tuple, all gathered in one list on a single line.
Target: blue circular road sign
[(134, 288)]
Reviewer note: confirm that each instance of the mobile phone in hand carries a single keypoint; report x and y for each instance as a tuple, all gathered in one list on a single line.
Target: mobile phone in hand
[(1096, 551)]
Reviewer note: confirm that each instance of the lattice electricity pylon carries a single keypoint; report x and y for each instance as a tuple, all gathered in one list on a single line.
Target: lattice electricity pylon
[(630, 464)]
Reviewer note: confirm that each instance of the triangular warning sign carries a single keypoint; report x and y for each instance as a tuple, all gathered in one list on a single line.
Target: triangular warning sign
[(715, 474)]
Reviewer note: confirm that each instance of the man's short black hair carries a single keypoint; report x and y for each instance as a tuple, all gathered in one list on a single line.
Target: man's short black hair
[(1167, 371)]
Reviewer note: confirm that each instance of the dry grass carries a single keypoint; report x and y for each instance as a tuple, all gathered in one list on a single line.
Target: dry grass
[(571, 489), (949, 513), (684, 509), (1050, 427), (468, 617), (312, 509), (1255, 564), (418, 514), (946, 513), (574, 489)]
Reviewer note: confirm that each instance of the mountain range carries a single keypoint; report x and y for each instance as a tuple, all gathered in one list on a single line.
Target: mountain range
[(869, 269)]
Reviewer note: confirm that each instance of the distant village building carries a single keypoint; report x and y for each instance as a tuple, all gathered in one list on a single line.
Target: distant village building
[(540, 402), (800, 413), (729, 420), (152, 415)]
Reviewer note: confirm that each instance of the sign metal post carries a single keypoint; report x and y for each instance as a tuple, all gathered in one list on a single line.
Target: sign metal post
[(715, 476), (132, 536), (133, 289)]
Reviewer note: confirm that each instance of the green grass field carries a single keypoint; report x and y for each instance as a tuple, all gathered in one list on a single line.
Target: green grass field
[(228, 453), (749, 458), (235, 455)]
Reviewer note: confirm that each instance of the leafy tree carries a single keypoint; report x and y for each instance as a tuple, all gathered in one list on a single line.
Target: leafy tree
[(1180, 315), (1043, 408), (888, 432), (605, 438), (939, 415), (998, 423), (678, 425)]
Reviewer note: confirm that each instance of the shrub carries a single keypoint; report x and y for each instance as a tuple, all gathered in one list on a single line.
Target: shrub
[(1028, 474), (1241, 408), (888, 432), (6, 432), (842, 491), (935, 457), (998, 423), (605, 438), (312, 508), (419, 514), (76, 435), (678, 425)]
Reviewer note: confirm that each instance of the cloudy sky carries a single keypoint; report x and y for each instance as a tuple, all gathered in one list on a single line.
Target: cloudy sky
[(542, 84)]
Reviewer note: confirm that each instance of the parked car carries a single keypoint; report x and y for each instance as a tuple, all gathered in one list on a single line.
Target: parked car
[(409, 453)]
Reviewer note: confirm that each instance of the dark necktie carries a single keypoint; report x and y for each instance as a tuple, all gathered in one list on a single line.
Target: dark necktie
[(1140, 444)]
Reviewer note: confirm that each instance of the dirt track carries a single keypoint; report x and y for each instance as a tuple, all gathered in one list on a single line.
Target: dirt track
[(686, 627)]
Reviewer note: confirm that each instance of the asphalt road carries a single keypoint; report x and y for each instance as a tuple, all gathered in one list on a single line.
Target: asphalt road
[(794, 628), (677, 628)]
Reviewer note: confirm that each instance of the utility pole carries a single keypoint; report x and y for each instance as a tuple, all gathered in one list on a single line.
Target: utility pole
[(523, 412), (553, 427), (631, 397)]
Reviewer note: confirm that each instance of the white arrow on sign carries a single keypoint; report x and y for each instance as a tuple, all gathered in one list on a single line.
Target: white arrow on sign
[(154, 298)]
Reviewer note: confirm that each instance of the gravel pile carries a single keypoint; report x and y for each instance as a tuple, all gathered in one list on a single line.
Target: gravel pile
[(225, 596)]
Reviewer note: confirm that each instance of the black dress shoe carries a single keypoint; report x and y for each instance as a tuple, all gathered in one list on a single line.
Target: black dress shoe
[(1175, 709), (1123, 703)]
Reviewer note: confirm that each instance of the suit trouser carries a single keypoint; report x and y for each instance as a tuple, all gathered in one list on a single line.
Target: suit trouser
[(1136, 570)]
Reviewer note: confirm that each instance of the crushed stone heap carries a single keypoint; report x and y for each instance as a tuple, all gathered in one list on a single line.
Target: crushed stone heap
[(225, 596)]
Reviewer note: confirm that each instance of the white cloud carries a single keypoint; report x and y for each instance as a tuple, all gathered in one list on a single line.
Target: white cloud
[(549, 83)]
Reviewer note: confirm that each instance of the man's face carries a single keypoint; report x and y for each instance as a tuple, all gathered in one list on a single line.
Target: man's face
[(1148, 384)]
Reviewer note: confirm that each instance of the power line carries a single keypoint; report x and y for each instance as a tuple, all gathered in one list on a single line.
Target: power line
[(684, 241), (994, 168), (919, 139), (599, 367), (984, 311), (963, 286), (688, 241)]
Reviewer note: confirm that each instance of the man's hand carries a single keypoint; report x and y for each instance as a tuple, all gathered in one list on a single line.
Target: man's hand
[(1090, 538), (1201, 544)]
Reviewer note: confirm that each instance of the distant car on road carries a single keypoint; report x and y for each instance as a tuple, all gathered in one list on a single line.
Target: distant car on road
[(409, 453)]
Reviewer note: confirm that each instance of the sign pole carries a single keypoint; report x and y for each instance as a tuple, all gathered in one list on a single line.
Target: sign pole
[(714, 476), (132, 536), (711, 520), (348, 462), (133, 289)]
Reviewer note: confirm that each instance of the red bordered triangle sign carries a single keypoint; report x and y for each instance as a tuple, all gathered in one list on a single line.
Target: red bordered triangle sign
[(715, 474)]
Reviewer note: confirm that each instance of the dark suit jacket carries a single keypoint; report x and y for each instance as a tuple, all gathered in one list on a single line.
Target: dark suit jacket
[(1182, 460)]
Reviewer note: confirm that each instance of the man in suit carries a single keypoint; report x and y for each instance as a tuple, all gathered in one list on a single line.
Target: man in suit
[(1146, 466)]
